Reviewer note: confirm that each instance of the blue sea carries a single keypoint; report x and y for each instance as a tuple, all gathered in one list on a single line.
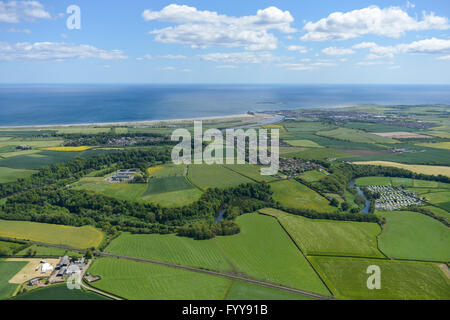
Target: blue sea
[(22, 105)]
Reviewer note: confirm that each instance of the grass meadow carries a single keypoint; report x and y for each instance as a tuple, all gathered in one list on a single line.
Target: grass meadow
[(414, 236), (214, 176), (293, 194), (327, 237), (7, 270), (400, 280)]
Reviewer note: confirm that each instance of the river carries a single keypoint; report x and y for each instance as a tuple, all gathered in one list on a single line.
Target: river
[(360, 192)]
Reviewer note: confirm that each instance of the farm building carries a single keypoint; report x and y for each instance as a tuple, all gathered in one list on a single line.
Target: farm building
[(123, 175), (64, 262), (46, 267)]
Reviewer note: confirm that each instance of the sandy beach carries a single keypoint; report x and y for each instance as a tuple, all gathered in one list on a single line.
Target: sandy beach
[(243, 116)]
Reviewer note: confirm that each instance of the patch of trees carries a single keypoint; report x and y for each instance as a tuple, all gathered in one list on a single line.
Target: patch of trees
[(208, 231), (64, 206), (68, 172)]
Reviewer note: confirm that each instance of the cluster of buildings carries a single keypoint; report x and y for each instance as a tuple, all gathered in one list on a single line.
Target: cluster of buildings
[(392, 198), (122, 176), (292, 167), (391, 119), (67, 267)]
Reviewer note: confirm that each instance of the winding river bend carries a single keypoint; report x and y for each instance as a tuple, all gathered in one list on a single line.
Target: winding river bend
[(360, 192)]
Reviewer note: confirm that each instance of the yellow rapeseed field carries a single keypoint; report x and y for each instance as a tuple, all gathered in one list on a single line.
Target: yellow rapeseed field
[(431, 170), (153, 170)]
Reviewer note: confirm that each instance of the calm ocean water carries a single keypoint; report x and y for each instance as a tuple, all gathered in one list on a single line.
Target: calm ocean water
[(73, 104)]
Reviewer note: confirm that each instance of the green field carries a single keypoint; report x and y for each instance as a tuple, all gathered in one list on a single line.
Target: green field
[(312, 153), (246, 291), (10, 175), (59, 292), (400, 280), (334, 238), (144, 281), (10, 247), (273, 258), (47, 252), (306, 126), (38, 160), (214, 176), (303, 143), (438, 197), (123, 191), (312, 176), (405, 182), (167, 184), (7, 270), (167, 170), (354, 136), (171, 248), (74, 237), (293, 194), (414, 236), (373, 181), (175, 198), (250, 171), (169, 191)]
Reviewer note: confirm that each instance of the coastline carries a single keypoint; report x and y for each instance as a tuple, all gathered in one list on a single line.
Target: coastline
[(243, 116)]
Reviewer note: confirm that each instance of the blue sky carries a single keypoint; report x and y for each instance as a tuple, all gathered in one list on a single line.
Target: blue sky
[(321, 41)]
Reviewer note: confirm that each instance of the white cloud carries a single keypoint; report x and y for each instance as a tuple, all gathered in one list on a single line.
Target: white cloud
[(373, 63), (334, 51), (365, 45), (145, 57), (445, 58), (388, 22), (168, 69), (427, 46), (172, 57), (307, 67), (240, 57), (54, 51), (16, 11), (175, 69), (410, 5), (300, 49), (394, 67), (201, 29), (296, 66), (227, 67), (27, 31)]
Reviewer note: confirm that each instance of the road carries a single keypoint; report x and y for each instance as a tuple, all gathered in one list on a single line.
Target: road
[(172, 265)]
